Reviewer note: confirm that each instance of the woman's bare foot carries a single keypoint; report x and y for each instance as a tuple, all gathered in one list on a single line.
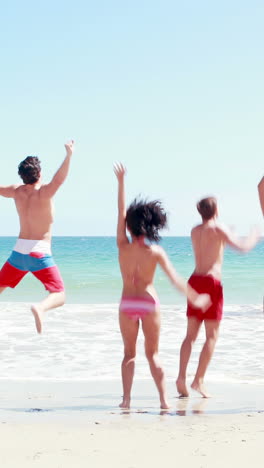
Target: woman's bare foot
[(200, 388), (125, 403), (181, 388), (38, 315)]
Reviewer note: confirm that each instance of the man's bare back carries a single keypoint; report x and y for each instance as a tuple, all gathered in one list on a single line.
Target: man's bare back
[(208, 245), (209, 240), (35, 212)]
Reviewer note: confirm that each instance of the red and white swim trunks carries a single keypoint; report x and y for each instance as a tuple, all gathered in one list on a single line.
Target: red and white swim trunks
[(31, 256)]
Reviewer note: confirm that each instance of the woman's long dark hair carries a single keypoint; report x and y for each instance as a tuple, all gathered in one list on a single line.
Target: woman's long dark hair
[(145, 218)]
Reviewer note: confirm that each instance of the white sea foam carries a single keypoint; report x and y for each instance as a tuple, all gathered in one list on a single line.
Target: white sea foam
[(83, 342)]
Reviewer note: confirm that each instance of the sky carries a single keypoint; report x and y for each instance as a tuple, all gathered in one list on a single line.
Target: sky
[(172, 89)]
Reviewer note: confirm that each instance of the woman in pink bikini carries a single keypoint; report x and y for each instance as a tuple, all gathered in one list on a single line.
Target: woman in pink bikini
[(138, 262)]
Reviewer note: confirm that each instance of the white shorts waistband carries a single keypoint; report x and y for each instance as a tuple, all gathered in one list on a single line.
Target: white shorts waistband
[(26, 246)]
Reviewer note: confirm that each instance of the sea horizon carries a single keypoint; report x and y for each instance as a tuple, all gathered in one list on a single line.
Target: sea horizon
[(90, 269)]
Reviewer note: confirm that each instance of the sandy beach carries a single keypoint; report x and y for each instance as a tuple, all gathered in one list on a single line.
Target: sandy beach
[(59, 394), (215, 441), (66, 424)]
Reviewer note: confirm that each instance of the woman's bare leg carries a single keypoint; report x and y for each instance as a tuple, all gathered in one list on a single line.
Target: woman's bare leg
[(151, 330), (129, 330)]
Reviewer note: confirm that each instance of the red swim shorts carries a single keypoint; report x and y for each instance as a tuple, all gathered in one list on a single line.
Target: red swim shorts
[(212, 286)]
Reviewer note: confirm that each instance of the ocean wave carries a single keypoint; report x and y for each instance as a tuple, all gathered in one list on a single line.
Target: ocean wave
[(82, 342)]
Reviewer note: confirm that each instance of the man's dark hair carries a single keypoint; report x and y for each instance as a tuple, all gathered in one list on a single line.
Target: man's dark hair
[(207, 207), (29, 170), (145, 218)]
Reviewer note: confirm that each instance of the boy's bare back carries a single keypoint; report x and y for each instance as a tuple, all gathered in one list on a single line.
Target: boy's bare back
[(210, 238), (208, 245)]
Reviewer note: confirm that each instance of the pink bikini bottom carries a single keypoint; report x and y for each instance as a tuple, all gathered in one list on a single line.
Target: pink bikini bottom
[(138, 307)]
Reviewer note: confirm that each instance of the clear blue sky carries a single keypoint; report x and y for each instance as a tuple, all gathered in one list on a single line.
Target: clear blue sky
[(173, 89)]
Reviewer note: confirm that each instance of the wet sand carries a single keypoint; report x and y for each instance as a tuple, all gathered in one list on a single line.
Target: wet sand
[(66, 424)]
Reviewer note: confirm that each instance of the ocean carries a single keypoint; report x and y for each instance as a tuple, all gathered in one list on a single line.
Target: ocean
[(89, 266), (81, 341)]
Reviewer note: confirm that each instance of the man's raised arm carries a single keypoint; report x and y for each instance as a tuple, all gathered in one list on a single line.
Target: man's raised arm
[(244, 244), (261, 194), (49, 190), (9, 191)]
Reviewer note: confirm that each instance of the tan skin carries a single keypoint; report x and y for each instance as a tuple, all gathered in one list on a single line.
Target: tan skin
[(35, 210), (261, 194), (209, 240), (138, 262)]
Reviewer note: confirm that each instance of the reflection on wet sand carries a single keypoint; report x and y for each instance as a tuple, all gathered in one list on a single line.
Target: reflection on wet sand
[(195, 408)]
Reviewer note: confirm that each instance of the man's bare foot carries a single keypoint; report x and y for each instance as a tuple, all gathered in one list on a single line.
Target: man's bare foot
[(164, 405), (38, 315), (200, 388), (125, 403), (181, 388)]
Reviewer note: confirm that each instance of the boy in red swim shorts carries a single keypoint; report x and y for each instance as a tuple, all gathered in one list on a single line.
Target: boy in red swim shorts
[(208, 240)]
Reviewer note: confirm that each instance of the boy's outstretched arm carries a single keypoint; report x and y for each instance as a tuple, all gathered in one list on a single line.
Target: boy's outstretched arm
[(244, 244), (49, 190), (261, 194), (122, 239), (201, 301), (9, 191)]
